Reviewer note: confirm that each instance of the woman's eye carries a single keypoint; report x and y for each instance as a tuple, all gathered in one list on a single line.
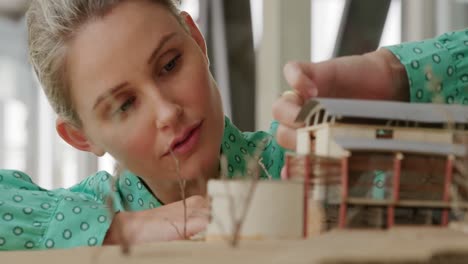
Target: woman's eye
[(171, 65), (126, 105)]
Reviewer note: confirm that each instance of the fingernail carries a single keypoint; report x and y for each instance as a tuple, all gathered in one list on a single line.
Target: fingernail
[(294, 72), (313, 92)]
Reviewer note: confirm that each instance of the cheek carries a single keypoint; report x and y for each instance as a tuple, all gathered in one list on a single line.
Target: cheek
[(132, 145), (202, 91), (137, 146)]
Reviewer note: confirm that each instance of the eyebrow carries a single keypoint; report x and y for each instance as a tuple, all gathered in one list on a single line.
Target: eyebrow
[(155, 52), (109, 93), (160, 45)]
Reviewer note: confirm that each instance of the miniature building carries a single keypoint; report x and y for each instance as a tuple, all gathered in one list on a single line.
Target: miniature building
[(382, 154)]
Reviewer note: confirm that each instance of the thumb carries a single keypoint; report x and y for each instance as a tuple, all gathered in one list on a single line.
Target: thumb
[(299, 77)]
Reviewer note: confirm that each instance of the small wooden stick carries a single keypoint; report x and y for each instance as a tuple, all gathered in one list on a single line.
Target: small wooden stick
[(182, 185)]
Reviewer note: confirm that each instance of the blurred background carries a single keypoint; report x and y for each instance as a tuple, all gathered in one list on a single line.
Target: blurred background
[(249, 42)]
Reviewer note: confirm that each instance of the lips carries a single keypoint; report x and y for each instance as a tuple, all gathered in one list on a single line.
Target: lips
[(185, 141)]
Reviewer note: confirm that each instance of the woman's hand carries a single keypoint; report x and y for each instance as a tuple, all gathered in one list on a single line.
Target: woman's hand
[(164, 223), (377, 75)]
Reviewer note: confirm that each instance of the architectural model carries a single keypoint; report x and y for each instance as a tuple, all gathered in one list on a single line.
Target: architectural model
[(382, 155)]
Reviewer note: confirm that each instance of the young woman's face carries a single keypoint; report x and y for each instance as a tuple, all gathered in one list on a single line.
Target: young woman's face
[(141, 86)]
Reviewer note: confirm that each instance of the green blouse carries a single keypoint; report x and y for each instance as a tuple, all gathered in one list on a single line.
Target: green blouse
[(437, 68)]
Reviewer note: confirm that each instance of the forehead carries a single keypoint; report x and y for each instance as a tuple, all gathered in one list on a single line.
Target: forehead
[(130, 25), (107, 50)]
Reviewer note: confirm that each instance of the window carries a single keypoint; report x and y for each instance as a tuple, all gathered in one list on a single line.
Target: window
[(326, 18), (383, 134), (13, 135)]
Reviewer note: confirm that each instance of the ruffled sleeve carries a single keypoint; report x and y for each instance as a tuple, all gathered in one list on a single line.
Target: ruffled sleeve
[(272, 154), (34, 218), (437, 68), (240, 148)]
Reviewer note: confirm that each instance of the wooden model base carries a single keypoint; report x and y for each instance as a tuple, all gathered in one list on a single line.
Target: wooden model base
[(266, 209), (399, 245)]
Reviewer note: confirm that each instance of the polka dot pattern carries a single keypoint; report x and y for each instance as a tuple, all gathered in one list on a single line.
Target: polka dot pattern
[(18, 230), (49, 243), (84, 226), (128, 182), (76, 210), (92, 241), (240, 148), (28, 210), (34, 218), (437, 69), (8, 217), (59, 217), (29, 245), (18, 198), (102, 219), (67, 234)]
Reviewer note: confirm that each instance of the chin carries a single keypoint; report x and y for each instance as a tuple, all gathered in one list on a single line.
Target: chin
[(198, 173), (201, 168)]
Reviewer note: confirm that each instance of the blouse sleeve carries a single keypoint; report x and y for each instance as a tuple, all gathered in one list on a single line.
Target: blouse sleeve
[(272, 153), (34, 218), (437, 68)]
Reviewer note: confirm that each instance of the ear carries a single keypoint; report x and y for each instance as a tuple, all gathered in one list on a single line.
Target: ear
[(76, 137), (194, 31)]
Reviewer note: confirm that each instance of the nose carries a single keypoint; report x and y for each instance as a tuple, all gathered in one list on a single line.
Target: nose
[(167, 112)]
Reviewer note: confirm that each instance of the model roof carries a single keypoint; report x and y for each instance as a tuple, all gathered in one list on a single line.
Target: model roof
[(386, 110), (356, 144)]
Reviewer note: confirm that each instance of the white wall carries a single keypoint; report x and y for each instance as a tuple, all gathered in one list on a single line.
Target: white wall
[(285, 36)]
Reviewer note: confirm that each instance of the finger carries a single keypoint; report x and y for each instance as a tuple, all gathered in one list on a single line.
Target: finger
[(283, 173), (197, 201), (286, 109), (197, 222), (175, 226), (299, 77), (293, 97), (202, 212), (286, 137)]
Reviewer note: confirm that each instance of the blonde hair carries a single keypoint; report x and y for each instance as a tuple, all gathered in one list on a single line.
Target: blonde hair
[(51, 23)]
